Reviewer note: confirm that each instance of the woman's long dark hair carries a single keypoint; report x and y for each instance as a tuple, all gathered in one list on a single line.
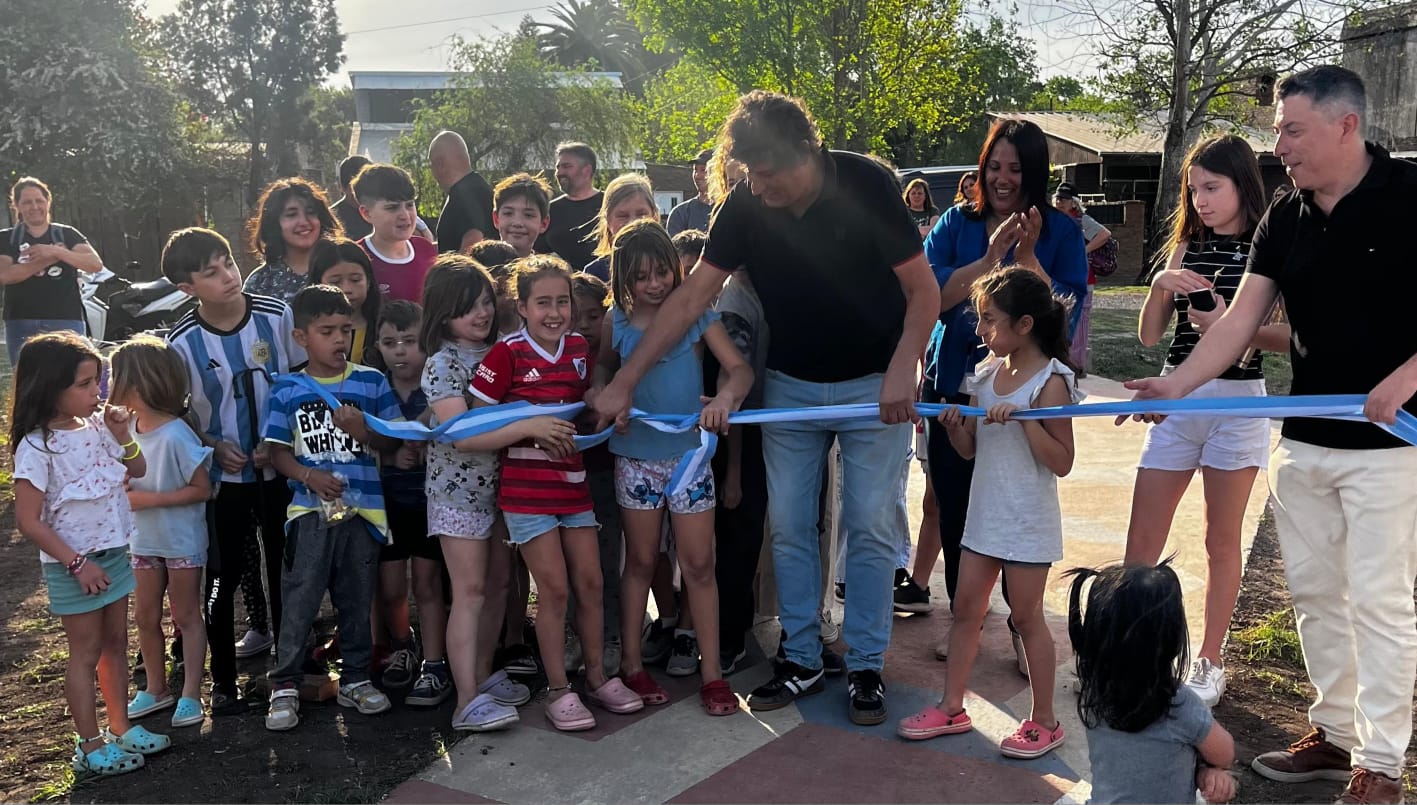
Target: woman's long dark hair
[(1228, 156), (1018, 292), (1032, 146), (1131, 646), (47, 367), (263, 229)]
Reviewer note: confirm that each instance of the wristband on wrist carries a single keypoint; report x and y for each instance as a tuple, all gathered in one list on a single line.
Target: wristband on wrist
[(137, 450), (77, 564)]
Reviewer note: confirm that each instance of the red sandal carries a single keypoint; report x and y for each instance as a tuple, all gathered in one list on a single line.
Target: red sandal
[(718, 698), (648, 689)]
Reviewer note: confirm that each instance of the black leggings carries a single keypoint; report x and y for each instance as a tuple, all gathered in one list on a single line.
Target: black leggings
[(739, 537), (951, 477), (239, 509)]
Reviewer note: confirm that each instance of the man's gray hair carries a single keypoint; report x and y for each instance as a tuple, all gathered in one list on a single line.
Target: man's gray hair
[(1328, 85), (580, 151)]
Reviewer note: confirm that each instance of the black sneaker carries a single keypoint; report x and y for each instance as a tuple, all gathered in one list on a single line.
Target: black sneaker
[(901, 576), (833, 664), (789, 681), (520, 661), (911, 597), (656, 642), (841, 592), (730, 662), (434, 686), (226, 701), (868, 697)]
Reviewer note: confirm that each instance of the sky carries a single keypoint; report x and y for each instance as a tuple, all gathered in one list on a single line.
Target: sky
[(417, 37)]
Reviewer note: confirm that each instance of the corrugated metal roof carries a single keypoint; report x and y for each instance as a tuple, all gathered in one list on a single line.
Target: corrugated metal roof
[(1106, 134)]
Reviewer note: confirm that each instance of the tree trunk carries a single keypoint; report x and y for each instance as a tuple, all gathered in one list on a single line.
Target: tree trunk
[(1178, 136)]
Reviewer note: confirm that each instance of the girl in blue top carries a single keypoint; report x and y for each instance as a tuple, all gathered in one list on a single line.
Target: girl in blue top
[(1008, 220), (169, 548), (644, 268)]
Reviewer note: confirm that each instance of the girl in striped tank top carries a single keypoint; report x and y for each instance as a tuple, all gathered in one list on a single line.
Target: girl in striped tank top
[(1220, 205)]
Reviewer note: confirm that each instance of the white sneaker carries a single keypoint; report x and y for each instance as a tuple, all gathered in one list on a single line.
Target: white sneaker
[(253, 643), (610, 658), (1206, 681), (830, 631), (364, 697), (1019, 653), (284, 712)]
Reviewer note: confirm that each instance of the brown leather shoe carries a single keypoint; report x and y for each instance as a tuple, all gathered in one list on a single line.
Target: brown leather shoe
[(1370, 787), (1309, 758)]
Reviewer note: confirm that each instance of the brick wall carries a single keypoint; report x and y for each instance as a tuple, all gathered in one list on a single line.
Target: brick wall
[(1127, 222)]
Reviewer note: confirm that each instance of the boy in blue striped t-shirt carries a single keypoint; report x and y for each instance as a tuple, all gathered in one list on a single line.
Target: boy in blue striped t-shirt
[(336, 520), (233, 344)]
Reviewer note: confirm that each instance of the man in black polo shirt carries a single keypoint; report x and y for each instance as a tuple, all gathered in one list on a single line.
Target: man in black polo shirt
[(1336, 250), (850, 301), (347, 208), (467, 214)]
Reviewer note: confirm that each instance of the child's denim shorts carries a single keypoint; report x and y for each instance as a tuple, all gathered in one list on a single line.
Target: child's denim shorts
[(523, 528)]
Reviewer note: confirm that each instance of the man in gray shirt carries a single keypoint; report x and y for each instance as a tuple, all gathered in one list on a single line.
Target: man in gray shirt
[(694, 213)]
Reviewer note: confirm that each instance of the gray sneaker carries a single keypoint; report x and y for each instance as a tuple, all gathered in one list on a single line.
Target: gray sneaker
[(684, 657), (573, 655), (656, 641), (399, 672), (610, 659)]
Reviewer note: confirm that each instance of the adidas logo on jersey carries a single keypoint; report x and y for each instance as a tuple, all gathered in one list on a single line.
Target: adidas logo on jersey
[(532, 376), (213, 364)]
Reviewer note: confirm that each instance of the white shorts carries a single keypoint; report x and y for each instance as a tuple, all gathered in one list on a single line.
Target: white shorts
[(1218, 442)]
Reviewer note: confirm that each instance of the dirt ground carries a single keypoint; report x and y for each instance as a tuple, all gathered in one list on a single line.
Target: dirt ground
[(1266, 702)]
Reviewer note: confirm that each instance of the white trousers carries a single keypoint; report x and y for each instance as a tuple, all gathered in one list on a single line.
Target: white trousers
[(1347, 522)]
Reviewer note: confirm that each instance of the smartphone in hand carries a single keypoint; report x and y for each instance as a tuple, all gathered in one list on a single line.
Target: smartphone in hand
[(1204, 301)]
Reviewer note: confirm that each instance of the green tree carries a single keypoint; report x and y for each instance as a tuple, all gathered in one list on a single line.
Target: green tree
[(513, 107), (248, 64), (683, 110), (596, 34), (99, 121), (864, 67), (1193, 65)]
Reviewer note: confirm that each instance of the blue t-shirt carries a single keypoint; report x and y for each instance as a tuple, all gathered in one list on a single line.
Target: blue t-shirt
[(300, 420), (960, 238), (599, 268), (174, 454), (1156, 764), (404, 488), (672, 386)]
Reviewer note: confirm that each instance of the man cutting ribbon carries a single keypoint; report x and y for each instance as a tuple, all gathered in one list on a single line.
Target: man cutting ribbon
[(850, 300), (1343, 491)]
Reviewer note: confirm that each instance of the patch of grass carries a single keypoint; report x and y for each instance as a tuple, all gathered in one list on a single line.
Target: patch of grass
[(1273, 640), (1120, 290), (28, 711), (1117, 354), (355, 791), (1277, 683), (58, 786), (30, 625)]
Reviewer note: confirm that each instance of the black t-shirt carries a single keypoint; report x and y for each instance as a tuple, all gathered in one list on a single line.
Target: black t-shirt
[(571, 223), (53, 294), (1348, 289), (347, 211), (826, 280), (922, 217), (1220, 259), (469, 206)]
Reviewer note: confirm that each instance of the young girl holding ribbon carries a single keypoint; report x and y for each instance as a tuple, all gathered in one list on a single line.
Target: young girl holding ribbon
[(458, 329), (543, 492), (1014, 523), (1210, 244), (72, 455), (644, 268)]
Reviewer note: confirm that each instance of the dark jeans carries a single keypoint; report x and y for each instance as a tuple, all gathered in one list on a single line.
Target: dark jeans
[(239, 509), (18, 331), (739, 535), (951, 476), (343, 559)]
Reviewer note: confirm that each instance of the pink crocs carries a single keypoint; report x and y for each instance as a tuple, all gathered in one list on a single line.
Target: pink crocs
[(933, 722), (616, 698), (1032, 740)]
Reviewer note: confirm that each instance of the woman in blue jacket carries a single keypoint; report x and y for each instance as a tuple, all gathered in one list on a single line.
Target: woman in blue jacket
[(1008, 221)]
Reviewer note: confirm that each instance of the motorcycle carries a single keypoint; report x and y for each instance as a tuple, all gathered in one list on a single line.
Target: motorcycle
[(116, 310)]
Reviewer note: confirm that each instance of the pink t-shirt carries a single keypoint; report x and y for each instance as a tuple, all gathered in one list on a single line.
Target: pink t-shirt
[(402, 279)]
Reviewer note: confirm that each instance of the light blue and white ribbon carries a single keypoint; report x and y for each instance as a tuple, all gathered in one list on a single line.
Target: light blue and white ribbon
[(1348, 407)]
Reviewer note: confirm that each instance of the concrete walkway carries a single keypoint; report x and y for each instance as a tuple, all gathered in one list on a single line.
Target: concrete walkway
[(810, 752)]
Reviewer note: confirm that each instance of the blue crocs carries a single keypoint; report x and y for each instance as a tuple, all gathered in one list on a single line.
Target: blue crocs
[(138, 740), (145, 704), (106, 760), (188, 713)]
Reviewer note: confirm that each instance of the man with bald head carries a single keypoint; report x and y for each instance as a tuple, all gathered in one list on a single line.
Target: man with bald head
[(467, 214)]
